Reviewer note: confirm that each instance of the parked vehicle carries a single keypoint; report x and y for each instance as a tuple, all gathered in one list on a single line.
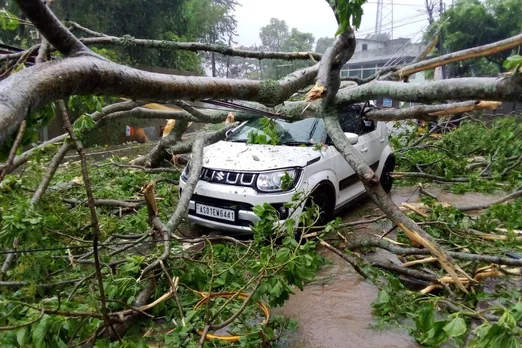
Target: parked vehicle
[(237, 176)]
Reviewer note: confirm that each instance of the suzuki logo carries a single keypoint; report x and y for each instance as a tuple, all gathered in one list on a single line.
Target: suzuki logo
[(220, 176)]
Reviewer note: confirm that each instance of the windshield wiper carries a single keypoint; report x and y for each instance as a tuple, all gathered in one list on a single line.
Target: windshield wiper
[(238, 140), (295, 143)]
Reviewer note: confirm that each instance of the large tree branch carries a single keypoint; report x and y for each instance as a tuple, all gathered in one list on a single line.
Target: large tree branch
[(181, 209), (329, 83), (483, 88), (198, 46), (429, 112), (383, 244), (328, 77), (383, 201), (36, 86), (476, 52), (50, 27), (159, 153), (103, 39)]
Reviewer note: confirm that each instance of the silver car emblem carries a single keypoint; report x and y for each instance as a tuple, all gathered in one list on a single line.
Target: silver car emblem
[(220, 176)]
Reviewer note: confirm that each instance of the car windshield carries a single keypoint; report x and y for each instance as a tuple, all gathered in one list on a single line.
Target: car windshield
[(305, 132)]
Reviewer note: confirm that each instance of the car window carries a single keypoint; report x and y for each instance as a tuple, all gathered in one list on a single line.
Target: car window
[(350, 119), (307, 131), (352, 122)]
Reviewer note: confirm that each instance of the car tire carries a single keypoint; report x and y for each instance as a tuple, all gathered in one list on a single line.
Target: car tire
[(386, 179), (322, 197)]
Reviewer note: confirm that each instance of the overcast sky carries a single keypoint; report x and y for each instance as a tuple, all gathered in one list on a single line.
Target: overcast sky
[(316, 17)]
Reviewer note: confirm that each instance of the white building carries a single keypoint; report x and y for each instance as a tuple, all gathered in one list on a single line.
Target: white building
[(371, 55)]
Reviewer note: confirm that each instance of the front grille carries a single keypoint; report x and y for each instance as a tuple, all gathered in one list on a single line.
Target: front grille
[(228, 178)]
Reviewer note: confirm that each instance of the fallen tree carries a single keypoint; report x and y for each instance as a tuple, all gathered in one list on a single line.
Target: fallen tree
[(82, 72)]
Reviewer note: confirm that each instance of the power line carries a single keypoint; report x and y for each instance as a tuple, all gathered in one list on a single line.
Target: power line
[(368, 31), (389, 23)]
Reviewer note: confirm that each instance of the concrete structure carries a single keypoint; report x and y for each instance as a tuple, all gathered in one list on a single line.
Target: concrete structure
[(371, 55)]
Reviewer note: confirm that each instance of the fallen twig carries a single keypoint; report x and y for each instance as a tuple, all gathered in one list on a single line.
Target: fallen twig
[(351, 260), (379, 243), (91, 203), (12, 153)]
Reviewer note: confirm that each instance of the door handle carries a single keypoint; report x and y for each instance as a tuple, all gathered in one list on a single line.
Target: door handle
[(364, 149), (382, 140)]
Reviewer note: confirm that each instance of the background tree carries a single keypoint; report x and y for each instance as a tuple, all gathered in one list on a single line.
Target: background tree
[(323, 43), (222, 28), (177, 20), (276, 36), (471, 23)]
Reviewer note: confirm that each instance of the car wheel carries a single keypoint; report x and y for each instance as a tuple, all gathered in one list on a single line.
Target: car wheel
[(324, 200), (386, 179)]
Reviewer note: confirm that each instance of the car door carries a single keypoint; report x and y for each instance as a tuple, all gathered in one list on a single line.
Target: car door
[(374, 141), (350, 186)]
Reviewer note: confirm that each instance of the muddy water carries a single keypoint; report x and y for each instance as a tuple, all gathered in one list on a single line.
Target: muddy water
[(336, 310), (339, 313)]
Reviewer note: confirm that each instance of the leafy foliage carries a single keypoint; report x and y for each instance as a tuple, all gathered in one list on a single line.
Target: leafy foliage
[(513, 63), (496, 145), (472, 23), (276, 36), (270, 266), (268, 134), (8, 21), (467, 152), (349, 12)]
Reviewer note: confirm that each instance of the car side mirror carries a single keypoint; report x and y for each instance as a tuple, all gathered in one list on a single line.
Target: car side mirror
[(352, 138)]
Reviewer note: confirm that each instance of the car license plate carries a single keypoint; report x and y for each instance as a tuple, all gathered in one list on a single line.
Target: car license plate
[(218, 213)]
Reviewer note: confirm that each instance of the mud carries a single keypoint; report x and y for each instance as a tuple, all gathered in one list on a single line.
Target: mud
[(335, 311)]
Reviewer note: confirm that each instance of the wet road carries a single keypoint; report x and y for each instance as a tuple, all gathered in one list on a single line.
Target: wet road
[(336, 310)]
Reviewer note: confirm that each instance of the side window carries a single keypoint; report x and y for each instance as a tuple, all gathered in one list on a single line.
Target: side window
[(350, 120), (369, 126)]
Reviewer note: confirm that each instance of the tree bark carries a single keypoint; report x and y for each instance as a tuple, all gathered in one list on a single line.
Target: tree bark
[(429, 112), (36, 86), (50, 27)]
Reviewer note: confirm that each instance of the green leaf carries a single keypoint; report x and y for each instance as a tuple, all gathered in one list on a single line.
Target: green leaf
[(40, 330), (258, 210), (456, 327), (282, 255), (98, 105), (21, 336), (513, 62), (517, 311), (276, 290), (12, 23)]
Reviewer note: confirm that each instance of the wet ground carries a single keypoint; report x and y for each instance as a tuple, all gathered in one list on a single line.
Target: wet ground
[(335, 311)]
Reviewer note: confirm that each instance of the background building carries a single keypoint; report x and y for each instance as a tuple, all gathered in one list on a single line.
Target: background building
[(371, 55)]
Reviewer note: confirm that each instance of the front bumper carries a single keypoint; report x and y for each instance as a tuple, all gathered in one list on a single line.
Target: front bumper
[(241, 199)]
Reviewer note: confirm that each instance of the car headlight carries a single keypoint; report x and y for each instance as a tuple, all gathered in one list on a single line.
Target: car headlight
[(185, 173), (282, 180)]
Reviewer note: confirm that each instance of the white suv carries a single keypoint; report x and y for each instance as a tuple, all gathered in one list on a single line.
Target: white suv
[(237, 176)]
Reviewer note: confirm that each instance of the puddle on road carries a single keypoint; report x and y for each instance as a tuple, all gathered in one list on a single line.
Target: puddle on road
[(338, 312)]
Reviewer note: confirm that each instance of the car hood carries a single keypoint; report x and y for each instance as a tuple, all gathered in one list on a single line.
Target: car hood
[(231, 156)]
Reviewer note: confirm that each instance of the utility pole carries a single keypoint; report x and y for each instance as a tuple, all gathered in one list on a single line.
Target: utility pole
[(441, 39)]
